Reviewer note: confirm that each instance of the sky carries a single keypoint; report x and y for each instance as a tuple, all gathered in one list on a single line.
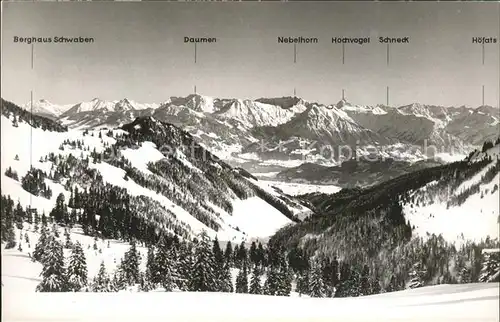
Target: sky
[(139, 51)]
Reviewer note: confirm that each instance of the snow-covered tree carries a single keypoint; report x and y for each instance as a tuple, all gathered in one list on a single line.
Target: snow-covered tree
[(41, 245), (130, 265), (53, 271), (491, 266), (316, 285), (184, 264), (255, 287), (68, 243), (303, 282), (101, 282), (416, 276), (77, 269), (203, 272), (242, 280), (164, 267)]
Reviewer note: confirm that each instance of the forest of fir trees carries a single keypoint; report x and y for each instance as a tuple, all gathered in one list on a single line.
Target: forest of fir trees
[(201, 265)]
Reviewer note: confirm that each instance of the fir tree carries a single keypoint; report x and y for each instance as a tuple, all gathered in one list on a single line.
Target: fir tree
[(253, 253), (40, 246), (60, 212), (68, 243), (55, 231), (130, 264), (365, 287), (184, 267), (271, 282), (163, 267), (316, 286), (77, 269), (228, 253), (242, 280), (10, 236), (219, 264), (101, 282), (226, 280), (53, 272), (491, 267), (151, 269), (203, 273), (416, 276), (303, 282), (255, 287)]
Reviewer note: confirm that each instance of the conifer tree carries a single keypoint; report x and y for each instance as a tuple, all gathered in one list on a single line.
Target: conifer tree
[(375, 286), (284, 286), (53, 271), (101, 282), (55, 230), (261, 255), (255, 287), (253, 253), (77, 269), (226, 283), (242, 280), (219, 265), (10, 235), (163, 267), (416, 275), (151, 268), (303, 282), (203, 273), (228, 254), (40, 246), (365, 283), (491, 267), (316, 286), (68, 243), (184, 266), (130, 265), (271, 282), (60, 212)]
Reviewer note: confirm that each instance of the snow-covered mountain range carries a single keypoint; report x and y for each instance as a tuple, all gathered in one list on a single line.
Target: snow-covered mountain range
[(272, 134)]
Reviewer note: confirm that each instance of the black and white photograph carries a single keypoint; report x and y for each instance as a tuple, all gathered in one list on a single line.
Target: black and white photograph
[(250, 161)]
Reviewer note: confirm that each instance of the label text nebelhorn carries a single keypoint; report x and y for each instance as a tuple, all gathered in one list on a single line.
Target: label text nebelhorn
[(297, 40)]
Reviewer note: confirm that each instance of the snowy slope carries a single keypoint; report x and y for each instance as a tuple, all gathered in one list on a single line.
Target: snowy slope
[(236, 227), (475, 219), (471, 302)]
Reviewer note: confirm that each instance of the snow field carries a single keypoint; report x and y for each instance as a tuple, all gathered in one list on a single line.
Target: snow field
[(44, 142)]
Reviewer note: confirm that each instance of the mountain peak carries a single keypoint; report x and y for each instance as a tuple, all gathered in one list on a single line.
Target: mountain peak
[(343, 102)]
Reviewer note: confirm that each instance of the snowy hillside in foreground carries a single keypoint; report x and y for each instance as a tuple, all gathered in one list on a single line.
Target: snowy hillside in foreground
[(460, 302), (239, 225), (474, 302), (476, 217)]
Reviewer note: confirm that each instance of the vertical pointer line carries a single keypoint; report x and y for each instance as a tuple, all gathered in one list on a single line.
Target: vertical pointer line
[(483, 52), (343, 53), (387, 96), (294, 53), (31, 136), (32, 54), (387, 54), (195, 52)]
